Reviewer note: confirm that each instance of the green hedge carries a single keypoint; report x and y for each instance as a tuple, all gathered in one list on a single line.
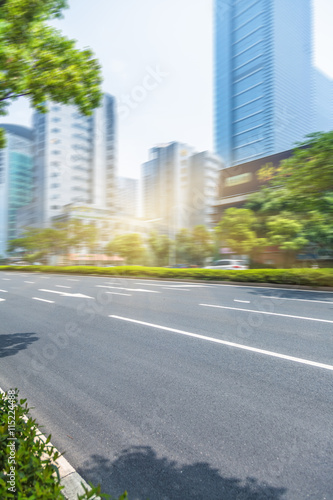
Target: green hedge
[(27, 470), (312, 277)]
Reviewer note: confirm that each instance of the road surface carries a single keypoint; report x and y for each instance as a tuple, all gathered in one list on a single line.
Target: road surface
[(176, 390)]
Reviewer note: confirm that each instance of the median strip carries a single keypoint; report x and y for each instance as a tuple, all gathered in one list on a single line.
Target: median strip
[(225, 342), (269, 313)]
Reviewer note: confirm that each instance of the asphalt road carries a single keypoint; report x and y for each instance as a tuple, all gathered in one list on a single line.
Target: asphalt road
[(174, 390)]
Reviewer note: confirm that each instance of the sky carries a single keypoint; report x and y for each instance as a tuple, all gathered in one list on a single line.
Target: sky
[(157, 60)]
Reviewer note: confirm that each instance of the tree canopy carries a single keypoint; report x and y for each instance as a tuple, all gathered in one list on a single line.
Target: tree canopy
[(295, 208), (38, 62), (236, 230)]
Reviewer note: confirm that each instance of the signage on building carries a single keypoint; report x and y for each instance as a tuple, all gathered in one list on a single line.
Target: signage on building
[(239, 179)]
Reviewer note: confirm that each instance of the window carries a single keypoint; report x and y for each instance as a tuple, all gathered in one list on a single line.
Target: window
[(55, 130)]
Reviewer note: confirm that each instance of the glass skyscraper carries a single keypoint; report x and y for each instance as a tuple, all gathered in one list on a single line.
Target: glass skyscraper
[(263, 77), (16, 180)]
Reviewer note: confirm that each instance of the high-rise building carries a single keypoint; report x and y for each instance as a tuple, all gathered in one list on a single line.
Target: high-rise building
[(179, 187), (75, 159), (202, 191), (16, 180), (323, 91), (263, 77), (127, 197), (164, 185)]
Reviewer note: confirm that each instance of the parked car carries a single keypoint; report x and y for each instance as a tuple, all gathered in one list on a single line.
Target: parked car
[(228, 264)]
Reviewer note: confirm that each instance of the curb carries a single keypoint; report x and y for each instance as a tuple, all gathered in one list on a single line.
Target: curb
[(70, 479)]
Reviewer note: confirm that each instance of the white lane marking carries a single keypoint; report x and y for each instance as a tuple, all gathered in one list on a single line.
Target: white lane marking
[(270, 313), (63, 286), (128, 289), (270, 288), (176, 289), (72, 279), (170, 285), (300, 300), (66, 294), (243, 301), (43, 300), (4, 291), (2, 300), (230, 344), (116, 293), (6, 279), (45, 277), (29, 282)]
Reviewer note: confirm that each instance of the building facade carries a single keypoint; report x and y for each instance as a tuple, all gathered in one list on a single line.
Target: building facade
[(16, 180), (323, 87), (263, 77), (238, 182), (165, 185), (179, 187), (204, 169), (75, 159), (127, 196)]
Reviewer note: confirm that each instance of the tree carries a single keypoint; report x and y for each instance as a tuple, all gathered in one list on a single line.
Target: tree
[(36, 243), (37, 62), (202, 246), (184, 244), (286, 232), (236, 231), (40, 243), (301, 183), (80, 234), (160, 245), (130, 246)]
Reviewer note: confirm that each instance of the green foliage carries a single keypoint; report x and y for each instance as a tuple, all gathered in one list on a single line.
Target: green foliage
[(193, 247), (308, 174), (236, 231), (31, 459), (296, 207), (59, 239), (201, 244), (129, 246), (313, 277), (184, 245), (34, 470), (301, 183), (160, 245), (36, 61)]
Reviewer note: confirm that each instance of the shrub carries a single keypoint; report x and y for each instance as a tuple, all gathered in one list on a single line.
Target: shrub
[(27, 468), (312, 277)]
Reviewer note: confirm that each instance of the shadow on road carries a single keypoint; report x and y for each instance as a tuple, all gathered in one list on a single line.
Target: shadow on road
[(12, 343), (146, 476)]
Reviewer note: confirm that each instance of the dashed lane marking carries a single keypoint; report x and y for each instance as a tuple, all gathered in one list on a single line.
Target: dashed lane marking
[(43, 300)]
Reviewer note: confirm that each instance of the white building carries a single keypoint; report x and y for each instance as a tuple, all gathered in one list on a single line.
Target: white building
[(179, 187), (203, 187), (16, 180), (75, 159), (127, 197)]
